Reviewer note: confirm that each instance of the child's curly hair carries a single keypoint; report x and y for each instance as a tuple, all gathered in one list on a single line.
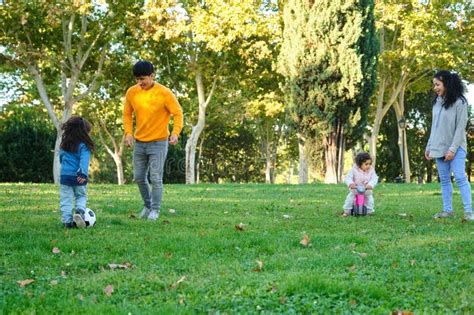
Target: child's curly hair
[(361, 158)]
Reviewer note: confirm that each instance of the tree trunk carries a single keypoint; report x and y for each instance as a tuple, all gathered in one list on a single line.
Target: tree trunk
[(303, 164), (197, 129), (333, 145), (198, 168), (119, 166), (56, 163), (330, 158), (290, 171), (399, 107)]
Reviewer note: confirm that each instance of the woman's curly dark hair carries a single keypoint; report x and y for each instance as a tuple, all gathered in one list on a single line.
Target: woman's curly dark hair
[(76, 130), (453, 85), (362, 157)]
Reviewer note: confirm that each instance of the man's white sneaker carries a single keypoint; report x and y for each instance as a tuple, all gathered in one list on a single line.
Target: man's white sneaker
[(154, 215), (145, 213)]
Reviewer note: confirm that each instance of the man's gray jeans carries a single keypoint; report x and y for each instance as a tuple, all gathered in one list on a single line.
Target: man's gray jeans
[(150, 157)]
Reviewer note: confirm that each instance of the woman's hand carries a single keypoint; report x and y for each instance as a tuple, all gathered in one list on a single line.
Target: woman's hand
[(449, 156), (427, 155)]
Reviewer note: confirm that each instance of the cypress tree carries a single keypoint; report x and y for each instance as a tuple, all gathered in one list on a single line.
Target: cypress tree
[(328, 58)]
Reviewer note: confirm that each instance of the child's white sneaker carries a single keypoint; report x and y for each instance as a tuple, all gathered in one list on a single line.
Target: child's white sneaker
[(145, 213), (79, 220), (468, 216), (154, 215)]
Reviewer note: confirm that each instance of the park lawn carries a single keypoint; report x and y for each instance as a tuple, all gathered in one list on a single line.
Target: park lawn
[(197, 261)]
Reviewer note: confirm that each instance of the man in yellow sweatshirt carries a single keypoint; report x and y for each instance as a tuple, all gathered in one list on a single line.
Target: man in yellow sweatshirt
[(153, 105)]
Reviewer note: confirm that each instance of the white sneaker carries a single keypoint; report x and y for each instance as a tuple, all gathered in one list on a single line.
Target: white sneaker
[(145, 213), (154, 215), (79, 220), (468, 216)]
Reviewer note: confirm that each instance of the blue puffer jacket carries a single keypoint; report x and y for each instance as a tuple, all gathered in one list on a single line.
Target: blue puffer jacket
[(74, 164)]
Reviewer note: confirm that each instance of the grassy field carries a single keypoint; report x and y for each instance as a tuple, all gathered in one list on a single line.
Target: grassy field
[(199, 260)]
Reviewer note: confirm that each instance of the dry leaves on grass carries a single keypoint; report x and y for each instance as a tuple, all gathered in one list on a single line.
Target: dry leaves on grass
[(401, 313), (171, 211), (23, 283), (166, 222), (114, 266), (108, 290), (174, 285), (56, 250), (305, 241), (240, 226), (168, 255), (259, 266)]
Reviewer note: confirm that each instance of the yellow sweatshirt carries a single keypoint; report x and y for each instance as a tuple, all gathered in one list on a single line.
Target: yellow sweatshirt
[(153, 109)]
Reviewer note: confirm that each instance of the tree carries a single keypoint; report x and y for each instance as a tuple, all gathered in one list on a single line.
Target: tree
[(417, 37), (268, 114), (62, 45), (208, 35), (328, 57), (26, 141)]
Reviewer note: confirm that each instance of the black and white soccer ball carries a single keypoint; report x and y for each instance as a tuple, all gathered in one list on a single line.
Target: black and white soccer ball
[(89, 217)]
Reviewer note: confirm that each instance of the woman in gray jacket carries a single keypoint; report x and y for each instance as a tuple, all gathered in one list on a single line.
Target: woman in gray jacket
[(447, 143)]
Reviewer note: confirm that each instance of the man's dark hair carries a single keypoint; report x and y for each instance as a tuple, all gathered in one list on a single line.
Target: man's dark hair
[(361, 158), (143, 68)]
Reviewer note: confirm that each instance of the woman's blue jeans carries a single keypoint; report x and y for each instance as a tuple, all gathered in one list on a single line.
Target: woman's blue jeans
[(458, 167)]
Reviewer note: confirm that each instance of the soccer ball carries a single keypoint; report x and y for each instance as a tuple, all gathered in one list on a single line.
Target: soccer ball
[(88, 216)]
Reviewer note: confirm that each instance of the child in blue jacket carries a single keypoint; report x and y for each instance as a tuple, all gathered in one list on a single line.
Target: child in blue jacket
[(74, 155)]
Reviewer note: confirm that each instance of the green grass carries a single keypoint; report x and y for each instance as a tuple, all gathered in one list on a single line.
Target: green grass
[(353, 265)]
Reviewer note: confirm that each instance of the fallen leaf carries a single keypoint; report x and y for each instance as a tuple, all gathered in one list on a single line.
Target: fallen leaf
[(168, 255), (132, 216), (73, 253), (240, 226), (54, 282), (94, 299), (126, 265), (274, 288), (352, 268), (81, 297), (56, 250), (353, 302), (166, 222), (363, 254), (282, 299), (63, 274), (402, 214), (259, 266), (412, 262), (174, 285), (25, 282), (181, 300), (402, 313), (394, 265), (172, 211), (305, 241), (286, 216), (108, 290)]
